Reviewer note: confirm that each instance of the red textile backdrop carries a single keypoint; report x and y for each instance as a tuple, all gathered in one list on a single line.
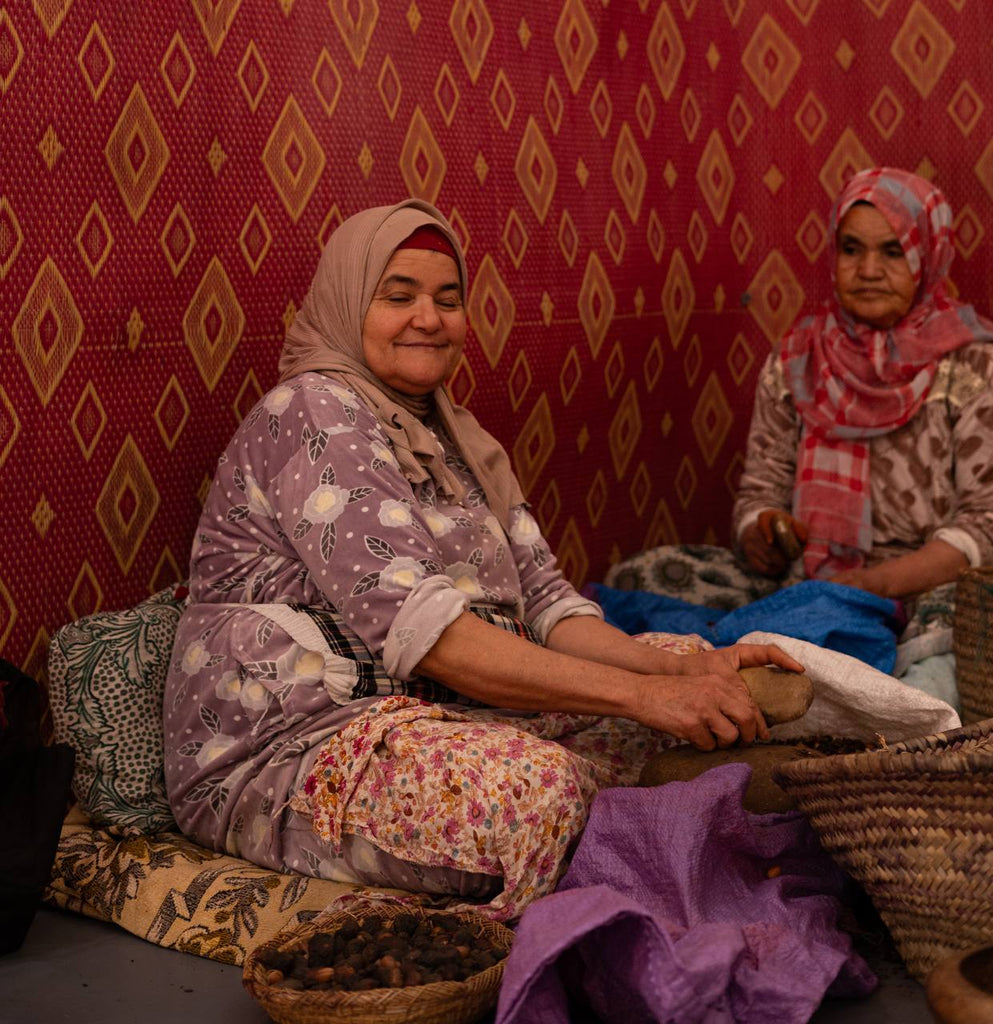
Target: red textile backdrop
[(642, 188)]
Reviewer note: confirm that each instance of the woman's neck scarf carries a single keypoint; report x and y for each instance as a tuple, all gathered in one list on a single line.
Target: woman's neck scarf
[(851, 382), (326, 336)]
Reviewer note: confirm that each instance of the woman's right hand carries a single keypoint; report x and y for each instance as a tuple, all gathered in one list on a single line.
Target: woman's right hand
[(759, 545), (708, 711)]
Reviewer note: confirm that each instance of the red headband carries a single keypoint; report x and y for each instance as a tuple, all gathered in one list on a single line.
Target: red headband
[(428, 237)]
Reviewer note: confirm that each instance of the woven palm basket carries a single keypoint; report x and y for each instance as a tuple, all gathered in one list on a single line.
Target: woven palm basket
[(442, 1002), (914, 825), (972, 633)]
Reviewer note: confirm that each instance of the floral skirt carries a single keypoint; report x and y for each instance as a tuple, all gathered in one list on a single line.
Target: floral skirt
[(492, 795)]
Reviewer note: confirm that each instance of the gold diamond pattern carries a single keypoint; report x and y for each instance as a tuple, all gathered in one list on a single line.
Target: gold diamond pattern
[(177, 239), (519, 380), (10, 426), (575, 41), (248, 394), (165, 573), (629, 172), (692, 361), (613, 371), (137, 153), (85, 597), (685, 481), (776, 296), (11, 52), (8, 614), (742, 237), (570, 375), (11, 237), (42, 516), (568, 238), (178, 70), (47, 330), (553, 104), (491, 310), (614, 237), (422, 161), (596, 303), (655, 235), (771, 60), (96, 61), (127, 504), (536, 171), (463, 382), (135, 329), (94, 240), (446, 94), (810, 118), (571, 557), (88, 420), (886, 112), (644, 111), (50, 147), (697, 236), (966, 107), (666, 51), (678, 297), (812, 236), (293, 159), (922, 48), (255, 239), (171, 413), (213, 323), (534, 444), (215, 17), (740, 359), (596, 498), (848, 157), (326, 81), (624, 430), (51, 14), (502, 99), (690, 115), (715, 176), (515, 238), (389, 87), (252, 75), (711, 419), (739, 120), (969, 231), (601, 109), (472, 30)]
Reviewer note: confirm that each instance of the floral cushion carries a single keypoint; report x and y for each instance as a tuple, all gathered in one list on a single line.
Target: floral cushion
[(107, 676)]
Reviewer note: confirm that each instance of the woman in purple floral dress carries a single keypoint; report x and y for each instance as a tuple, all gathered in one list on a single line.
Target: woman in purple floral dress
[(370, 595)]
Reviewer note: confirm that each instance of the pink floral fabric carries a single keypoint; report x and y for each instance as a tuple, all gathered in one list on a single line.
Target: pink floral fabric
[(480, 791)]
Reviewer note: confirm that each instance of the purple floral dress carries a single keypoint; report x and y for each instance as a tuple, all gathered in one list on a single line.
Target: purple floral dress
[(319, 579)]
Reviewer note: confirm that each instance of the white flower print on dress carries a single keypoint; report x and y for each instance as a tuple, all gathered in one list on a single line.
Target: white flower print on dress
[(239, 686), (258, 503), (278, 399), (401, 574), (382, 455), (195, 657), (325, 503), (300, 666), (395, 513), (524, 529), (438, 524), (214, 748), (466, 578)]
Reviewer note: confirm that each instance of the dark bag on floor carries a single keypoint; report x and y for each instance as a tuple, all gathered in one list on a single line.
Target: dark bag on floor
[(34, 789)]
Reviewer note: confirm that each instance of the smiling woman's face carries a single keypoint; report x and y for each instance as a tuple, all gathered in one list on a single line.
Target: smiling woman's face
[(415, 326), (873, 279)]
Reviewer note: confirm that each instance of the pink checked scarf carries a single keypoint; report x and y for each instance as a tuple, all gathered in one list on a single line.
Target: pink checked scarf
[(851, 382)]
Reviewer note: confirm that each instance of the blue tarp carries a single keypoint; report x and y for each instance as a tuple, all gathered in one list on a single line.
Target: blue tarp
[(830, 615)]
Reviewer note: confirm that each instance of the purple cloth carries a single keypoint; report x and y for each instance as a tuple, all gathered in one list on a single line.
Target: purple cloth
[(667, 913)]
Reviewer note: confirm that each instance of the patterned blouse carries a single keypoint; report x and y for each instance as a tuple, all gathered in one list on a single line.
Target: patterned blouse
[(931, 478)]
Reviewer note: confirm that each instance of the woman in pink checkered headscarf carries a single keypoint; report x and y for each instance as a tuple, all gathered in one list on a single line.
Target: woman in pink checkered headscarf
[(869, 427)]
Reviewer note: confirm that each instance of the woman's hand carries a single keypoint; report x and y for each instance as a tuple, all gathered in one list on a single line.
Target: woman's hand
[(726, 661), (760, 547), (871, 580), (929, 566)]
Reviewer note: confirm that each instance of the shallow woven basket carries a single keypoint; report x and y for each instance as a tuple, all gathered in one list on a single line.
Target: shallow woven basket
[(914, 825), (972, 633), (442, 1002)]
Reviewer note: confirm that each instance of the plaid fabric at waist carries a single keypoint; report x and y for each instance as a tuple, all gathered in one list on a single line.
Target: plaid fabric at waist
[(371, 678)]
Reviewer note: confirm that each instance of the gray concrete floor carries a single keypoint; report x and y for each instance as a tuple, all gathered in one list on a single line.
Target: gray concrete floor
[(77, 970)]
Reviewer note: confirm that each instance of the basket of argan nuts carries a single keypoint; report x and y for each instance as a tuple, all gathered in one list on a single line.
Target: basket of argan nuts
[(381, 962)]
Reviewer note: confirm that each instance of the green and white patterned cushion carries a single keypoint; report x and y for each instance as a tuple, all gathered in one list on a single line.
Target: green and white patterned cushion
[(107, 675)]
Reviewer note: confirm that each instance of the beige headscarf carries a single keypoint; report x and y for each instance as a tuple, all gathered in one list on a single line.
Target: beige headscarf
[(326, 336)]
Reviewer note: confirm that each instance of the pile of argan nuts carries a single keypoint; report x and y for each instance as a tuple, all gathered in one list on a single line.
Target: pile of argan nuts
[(384, 952)]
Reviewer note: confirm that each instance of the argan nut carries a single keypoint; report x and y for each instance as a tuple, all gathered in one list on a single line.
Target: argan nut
[(782, 696)]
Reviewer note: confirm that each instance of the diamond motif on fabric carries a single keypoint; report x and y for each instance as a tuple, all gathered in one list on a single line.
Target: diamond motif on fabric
[(922, 48), (771, 60), (519, 380), (10, 426), (571, 554), (422, 162), (255, 239), (654, 362), (213, 323), (777, 296), (502, 100), (711, 419), (95, 61), (135, 328), (596, 303), (740, 359), (613, 371), (810, 118), (697, 236), (11, 237), (252, 75), (85, 597), (491, 310), (689, 115), (534, 444), (692, 360), (42, 516), (655, 236), (886, 112), (969, 231), (984, 168), (472, 30), (51, 14), (741, 237), (177, 69), (172, 412), (641, 489), (94, 239), (601, 109), (326, 81), (88, 420), (811, 236), (666, 51), (568, 238), (570, 374), (614, 237), (248, 394), (11, 51), (644, 110), (47, 330), (463, 382), (177, 239), (49, 147), (389, 87), (8, 614), (848, 157), (536, 171), (515, 238), (596, 498), (554, 105), (966, 108), (293, 159), (446, 94), (215, 17), (624, 430), (127, 504), (576, 41), (803, 9), (715, 176), (685, 481), (739, 119), (629, 172), (678, 297), (136, 153)]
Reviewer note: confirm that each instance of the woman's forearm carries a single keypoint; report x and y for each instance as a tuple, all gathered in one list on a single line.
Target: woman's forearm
[(914, 573), (585, 636)]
